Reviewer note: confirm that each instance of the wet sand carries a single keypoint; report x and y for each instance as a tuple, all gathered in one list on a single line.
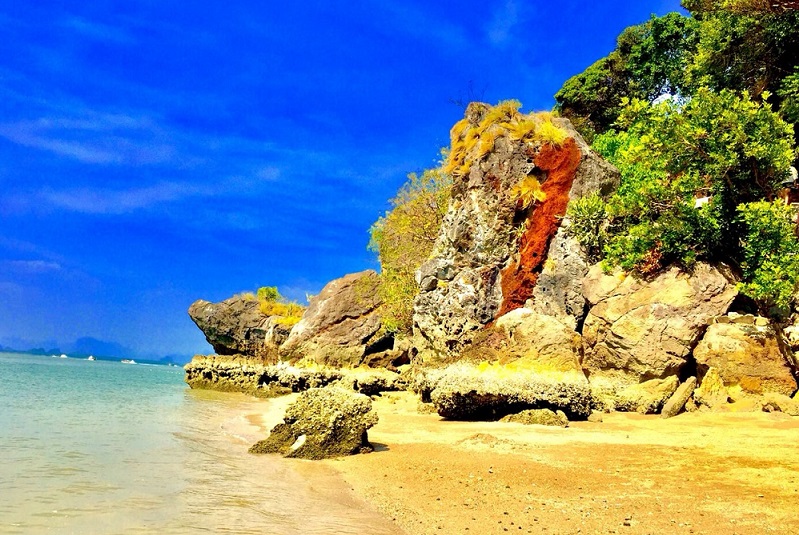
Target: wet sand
[(696, 473)]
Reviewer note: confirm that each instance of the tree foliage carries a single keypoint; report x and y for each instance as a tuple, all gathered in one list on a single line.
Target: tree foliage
[(649, 61), (770, 255), (404, 239), (743, 45), (743, 48), (721, 147)]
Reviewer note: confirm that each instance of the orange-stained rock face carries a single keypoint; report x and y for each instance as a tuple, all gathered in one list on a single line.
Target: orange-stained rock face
[(519, 278)]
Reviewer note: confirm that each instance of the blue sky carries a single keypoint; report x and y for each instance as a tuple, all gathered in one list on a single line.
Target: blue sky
[(157, 152)]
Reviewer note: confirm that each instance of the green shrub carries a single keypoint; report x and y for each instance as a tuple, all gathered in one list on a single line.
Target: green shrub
[(268, 293), (272, 304), (770, 255), (404, 238), (588, 224), (718, 145)]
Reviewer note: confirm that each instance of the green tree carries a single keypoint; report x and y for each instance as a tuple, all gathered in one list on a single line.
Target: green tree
[(649, 61), (722, 146), (404, 239), (770, 255), (268, 293), (743, 45)]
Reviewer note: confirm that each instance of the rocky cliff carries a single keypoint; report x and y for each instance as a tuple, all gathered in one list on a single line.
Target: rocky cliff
[(493, 247), (511, 315)]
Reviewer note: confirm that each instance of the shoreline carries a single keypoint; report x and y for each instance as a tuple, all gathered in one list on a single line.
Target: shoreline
[(697, 473)]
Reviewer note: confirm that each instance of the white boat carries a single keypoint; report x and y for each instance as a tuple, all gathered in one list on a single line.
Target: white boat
[(91, 357), (64, 356), (128, 361)]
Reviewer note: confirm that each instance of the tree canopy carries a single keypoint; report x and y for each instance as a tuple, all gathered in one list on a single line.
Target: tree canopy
[(698, 114)]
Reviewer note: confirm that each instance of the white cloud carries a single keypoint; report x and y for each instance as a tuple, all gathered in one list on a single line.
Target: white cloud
[(98, 31), (95, 138), (505, 20), (422, 25), (32, 266)]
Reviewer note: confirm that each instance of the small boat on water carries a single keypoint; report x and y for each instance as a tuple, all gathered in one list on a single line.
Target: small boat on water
[(91, 357), (64, 356), (128, 361)]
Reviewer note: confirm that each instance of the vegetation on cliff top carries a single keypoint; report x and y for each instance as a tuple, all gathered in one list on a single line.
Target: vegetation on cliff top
[(697, 113), (404, 238), (687, 118), (272, 304)]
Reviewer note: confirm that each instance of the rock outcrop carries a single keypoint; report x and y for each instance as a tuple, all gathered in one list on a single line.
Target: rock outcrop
[(638, 330), (647, 397), (490, 391), (322, 423), (530, 340), (711, 393), (341, 327), (236, 373), (491, 247), (677, 401), (559, 289), (242, 374), (236, 326), (749, 358), (538, 417)]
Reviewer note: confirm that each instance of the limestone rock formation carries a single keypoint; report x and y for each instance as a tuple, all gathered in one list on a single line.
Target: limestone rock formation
[(232, 373), (238, 373), (647, 397), (535, 342), (712, 393), (538, 417), (464, 391), (237, 326), (750, 358), (341, 326), (638, 330), (779, 403), (559, 289), (677, 401), (491, 246), (322, 423)]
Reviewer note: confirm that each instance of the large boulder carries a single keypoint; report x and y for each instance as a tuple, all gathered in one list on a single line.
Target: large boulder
[(236, 326), (638, 329), (491, 247), (750, 358), (677, 401), (538, 417), (465, 391), (322, 423), (524, 361), (231, 373), (342, 326), (647, 397), (536, 342)]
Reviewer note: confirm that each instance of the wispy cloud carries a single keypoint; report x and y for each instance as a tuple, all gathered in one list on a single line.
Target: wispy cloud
[(120, 201), (98, 31), (423, 25), (32, 266), (95, 139), (505, 20)]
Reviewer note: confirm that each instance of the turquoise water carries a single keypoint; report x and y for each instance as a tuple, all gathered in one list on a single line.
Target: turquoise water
[(105, 448)]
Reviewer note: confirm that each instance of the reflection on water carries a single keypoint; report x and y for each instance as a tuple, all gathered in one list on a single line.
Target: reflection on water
[(105, 448)]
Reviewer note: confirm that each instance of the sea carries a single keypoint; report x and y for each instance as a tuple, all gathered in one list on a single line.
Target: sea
[(103, 447)]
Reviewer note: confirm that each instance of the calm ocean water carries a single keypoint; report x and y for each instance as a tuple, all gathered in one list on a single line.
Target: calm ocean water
[(105, 448)]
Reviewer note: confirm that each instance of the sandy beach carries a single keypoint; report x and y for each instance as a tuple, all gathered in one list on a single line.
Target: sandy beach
[(696, 473)]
